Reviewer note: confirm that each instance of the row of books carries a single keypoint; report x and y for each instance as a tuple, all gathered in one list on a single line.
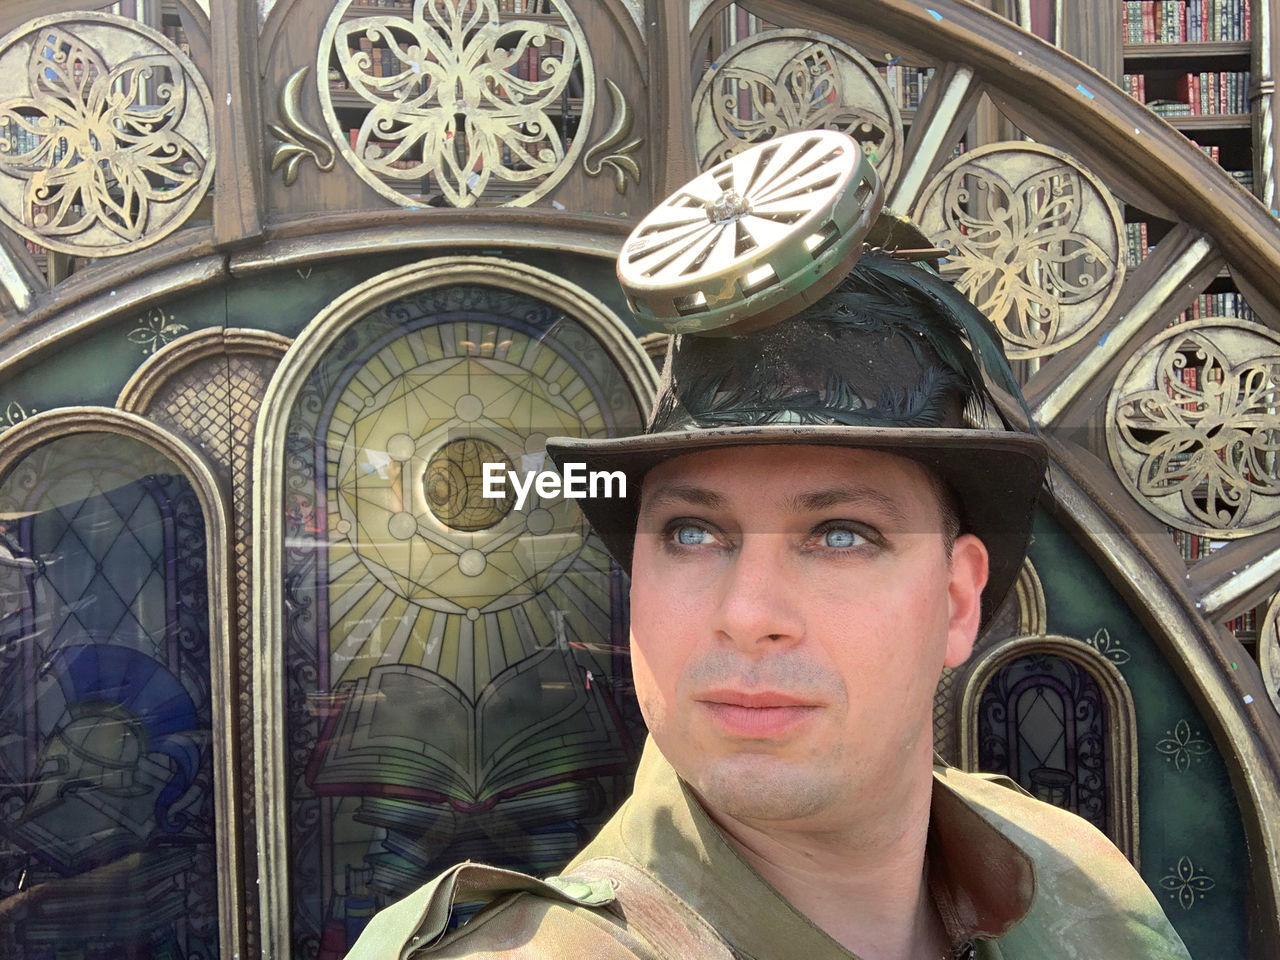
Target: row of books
[(1230, 304), (1135, 243), (1198, 94), (1210, 92), (177, 36), (1192, 21), (21, 140), (1193, 546), (906, 84), (1244, 625)]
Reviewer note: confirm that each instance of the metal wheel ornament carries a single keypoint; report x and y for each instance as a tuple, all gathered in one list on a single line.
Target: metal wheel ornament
[(754, 238)]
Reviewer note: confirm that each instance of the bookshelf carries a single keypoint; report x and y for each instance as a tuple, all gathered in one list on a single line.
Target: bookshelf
[(1191, 62)]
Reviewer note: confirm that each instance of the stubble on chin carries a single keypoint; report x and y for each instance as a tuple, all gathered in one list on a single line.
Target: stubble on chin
[(764, 788)]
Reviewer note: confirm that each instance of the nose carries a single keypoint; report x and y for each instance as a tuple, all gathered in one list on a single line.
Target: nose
[(758, 605)]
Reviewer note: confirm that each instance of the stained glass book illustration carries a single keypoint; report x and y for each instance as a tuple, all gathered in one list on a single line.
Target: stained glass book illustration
[(406, 731)]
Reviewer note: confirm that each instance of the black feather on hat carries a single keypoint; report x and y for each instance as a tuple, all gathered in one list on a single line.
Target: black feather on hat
[(891, 359)]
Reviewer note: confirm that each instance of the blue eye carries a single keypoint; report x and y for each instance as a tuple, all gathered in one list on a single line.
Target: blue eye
[(841, 537), (690, 535)]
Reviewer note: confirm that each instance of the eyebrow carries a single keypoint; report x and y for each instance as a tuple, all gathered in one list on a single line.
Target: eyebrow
[(682, 493), (825, 499), (809, 502)]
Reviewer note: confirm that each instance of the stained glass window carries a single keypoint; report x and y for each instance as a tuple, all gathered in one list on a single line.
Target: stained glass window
[(1044, 722), (457, 683), (106, 779)]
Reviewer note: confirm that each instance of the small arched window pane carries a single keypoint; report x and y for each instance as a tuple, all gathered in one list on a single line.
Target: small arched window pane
[(106, 773), (1043, 721)]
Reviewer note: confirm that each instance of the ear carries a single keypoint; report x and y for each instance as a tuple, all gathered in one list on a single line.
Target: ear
[(964, 594)]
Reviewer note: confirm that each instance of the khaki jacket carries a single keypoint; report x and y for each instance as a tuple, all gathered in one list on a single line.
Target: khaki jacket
[(1020, 879)]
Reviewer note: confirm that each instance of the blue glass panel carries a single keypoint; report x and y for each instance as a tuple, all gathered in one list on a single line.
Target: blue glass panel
[(106, 802)]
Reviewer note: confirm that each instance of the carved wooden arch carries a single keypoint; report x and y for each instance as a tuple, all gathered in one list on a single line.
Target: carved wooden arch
[(1122, 766), (271, 800), (30, 434), (166, 363)]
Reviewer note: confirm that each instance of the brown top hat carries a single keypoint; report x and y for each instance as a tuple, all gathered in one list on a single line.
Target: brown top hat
[(892, 359)]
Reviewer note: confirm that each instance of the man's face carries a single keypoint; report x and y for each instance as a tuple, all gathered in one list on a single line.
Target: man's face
[(791, 610)]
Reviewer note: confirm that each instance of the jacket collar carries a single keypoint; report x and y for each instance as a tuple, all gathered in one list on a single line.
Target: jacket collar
[(983, 882)]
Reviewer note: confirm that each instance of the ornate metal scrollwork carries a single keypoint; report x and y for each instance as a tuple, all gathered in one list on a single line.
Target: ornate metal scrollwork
[(1193, 427), (457, 104), (300, 142), (619, 159), (155, 330), (1036, 240), (1186, 884), (13, 414), (105, 145), (1269, 651), (782, 81)]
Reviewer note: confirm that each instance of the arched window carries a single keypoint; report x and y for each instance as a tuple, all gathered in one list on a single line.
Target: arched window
[(1056, 717), (456, 677), (108, 703)]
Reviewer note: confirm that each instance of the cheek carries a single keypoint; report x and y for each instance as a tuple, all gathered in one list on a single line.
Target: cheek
[(659, 647), (890, 634), (650, 696)]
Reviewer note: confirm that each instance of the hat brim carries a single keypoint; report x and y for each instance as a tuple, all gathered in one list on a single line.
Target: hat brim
[(996, 477)]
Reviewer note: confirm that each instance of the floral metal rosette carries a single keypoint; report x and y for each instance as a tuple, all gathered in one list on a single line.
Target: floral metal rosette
[(782, 81), (105, 142), (462, 104), (1035, 241), (754, 238), (1193, 431)]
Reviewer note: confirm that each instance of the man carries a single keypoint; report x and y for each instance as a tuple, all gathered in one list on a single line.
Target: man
[(812, 532)]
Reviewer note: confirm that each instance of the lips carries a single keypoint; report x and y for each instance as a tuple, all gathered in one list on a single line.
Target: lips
[(757, 715)]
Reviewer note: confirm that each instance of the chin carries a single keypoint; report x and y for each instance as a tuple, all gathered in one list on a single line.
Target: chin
[(763, 788)]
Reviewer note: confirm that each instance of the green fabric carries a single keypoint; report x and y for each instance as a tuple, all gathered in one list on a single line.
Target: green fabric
[(421, 919), (1067, 892)]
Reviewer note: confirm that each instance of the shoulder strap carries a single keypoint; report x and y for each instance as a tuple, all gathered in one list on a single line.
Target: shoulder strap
[(421, 918), (651, 910)]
